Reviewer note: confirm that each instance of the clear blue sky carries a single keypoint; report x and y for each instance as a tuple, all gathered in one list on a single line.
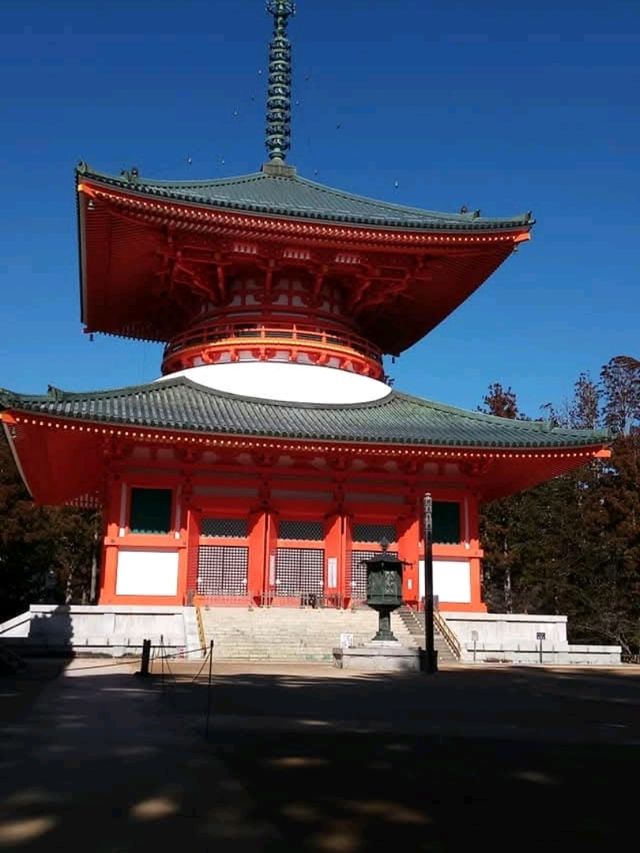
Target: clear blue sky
[(497, 105)]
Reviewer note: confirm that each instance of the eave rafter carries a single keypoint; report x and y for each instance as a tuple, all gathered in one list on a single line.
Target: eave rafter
[(334, 450), (247, 226)]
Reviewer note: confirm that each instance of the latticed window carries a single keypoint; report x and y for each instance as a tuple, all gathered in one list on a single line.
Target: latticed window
[(225, 528), (222, 570), (374, 532), (359, 572), (308, 531), (299, 572)]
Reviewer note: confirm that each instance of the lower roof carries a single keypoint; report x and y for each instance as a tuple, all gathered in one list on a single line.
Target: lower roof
[(181, 404)]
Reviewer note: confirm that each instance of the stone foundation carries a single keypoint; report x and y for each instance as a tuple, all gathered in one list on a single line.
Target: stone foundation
[(378, 656)]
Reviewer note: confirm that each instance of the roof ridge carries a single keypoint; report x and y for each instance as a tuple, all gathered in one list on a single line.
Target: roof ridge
[(261, 401), (144, 182), (156, 385), (383, 217), (462, 217), (182, 404), (537, 426)]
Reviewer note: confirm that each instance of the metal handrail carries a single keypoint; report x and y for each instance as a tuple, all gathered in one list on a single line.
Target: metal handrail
[(200, 624), (447, 634)]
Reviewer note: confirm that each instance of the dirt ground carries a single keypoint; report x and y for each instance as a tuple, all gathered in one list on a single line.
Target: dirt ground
[(303, 758)]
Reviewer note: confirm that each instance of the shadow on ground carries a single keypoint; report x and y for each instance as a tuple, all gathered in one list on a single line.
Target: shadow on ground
[(113, 763)]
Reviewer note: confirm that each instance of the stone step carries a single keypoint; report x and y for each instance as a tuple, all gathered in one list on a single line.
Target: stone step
[(291, 634)]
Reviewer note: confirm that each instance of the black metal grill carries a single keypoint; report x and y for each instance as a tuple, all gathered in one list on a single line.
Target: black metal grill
[(299, 573), (228, 528), (222, 570), (359, 572), (307, 531), (374, 532)]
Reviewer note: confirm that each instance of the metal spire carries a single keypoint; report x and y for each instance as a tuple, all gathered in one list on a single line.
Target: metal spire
[(278, 140)]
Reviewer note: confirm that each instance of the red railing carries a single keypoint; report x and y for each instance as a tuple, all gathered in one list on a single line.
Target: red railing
[(264, 334)]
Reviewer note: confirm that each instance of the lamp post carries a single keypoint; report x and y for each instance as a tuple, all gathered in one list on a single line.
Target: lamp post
[(430, 663)]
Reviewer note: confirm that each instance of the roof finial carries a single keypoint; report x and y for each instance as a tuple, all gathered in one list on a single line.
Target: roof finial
[(278, 139)]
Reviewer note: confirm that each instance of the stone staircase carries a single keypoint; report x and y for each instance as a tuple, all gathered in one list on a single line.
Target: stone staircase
[(414, 623), (290, 633)]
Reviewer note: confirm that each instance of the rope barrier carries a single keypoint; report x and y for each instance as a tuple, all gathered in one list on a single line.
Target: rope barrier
[(137, 659), (202, 665)]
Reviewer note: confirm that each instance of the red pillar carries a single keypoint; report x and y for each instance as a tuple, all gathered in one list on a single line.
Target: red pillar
[(347, 547), (474, 546), (256, 578), (333, 559), (110, 543), (193, 547), (408, 552)]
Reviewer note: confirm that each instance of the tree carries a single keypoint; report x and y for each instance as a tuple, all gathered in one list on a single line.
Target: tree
[(500, 401), (572, 545), (45, 552), (620, 384), (498, 518)]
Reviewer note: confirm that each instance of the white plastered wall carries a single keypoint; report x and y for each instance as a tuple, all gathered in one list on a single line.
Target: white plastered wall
[(147, 572), (451, 580)]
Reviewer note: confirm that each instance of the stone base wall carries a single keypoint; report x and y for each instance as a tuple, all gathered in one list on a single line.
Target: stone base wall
[(112, 630), (514, 638)]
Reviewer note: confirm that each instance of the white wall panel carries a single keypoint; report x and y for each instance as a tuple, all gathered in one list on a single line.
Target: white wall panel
[(451, 580), (147, 572)]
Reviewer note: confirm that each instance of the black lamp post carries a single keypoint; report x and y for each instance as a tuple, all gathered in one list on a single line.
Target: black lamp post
[(430, 662), (384, 589)]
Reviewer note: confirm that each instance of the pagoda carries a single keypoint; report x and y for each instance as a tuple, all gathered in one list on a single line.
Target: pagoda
[(272, 456)]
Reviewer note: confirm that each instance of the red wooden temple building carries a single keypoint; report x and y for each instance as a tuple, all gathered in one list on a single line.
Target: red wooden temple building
[(272, 455)]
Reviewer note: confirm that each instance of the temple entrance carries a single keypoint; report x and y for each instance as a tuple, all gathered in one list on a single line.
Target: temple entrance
[(299, 562), (299, 574), (223, 558)]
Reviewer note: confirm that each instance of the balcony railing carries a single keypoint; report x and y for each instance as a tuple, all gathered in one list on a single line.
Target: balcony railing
[(270, 334)]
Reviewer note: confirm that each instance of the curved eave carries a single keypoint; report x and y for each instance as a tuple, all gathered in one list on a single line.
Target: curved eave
[(424, 222), (397, 420), (65, 462), (122, 234), (60, 438)]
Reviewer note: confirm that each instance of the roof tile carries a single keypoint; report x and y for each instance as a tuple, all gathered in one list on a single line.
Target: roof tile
[(181, 404), (298, 197)]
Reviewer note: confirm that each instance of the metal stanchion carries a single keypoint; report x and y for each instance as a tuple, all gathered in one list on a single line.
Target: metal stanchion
[(146, 656), (540, 636), (206, 728)]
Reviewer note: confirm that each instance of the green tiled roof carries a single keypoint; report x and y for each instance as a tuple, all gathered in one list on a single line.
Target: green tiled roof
[(398, 418), (289, 195)]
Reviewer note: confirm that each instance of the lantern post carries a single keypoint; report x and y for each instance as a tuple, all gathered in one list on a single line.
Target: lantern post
[(430, 662)]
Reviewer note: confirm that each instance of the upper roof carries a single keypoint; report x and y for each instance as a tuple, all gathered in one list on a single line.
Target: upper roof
[(279, 191), (181, 404)]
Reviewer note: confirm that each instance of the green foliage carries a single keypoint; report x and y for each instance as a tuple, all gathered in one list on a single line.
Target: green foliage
[(46, 553), (572, 545)]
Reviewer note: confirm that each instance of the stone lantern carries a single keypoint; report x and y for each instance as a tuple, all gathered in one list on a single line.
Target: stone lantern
[(384, 590)]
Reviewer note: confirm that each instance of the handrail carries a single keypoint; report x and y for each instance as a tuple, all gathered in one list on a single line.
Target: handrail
[(447, 634), (200, 624), (15, 622), (270, 334)]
